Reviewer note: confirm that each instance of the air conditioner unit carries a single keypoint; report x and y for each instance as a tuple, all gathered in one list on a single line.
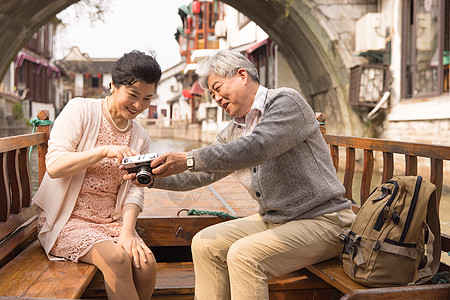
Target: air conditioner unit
[(369, 31), (220, 29)]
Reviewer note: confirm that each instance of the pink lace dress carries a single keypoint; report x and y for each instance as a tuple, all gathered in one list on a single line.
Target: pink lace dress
[(90, 221)]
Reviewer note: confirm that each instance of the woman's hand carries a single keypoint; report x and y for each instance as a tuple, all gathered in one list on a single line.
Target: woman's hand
[(119, 152), (132, 177), (135, 247), (71, 163)]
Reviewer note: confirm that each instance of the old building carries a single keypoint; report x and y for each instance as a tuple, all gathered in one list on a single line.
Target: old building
[(87, 77), (209, 26), (31, 82), (318, 40)]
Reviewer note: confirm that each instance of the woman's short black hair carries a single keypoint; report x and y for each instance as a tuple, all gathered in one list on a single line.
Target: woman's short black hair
[(135, 66)]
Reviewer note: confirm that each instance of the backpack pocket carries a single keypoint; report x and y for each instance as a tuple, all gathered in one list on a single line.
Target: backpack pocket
[(393, 264)]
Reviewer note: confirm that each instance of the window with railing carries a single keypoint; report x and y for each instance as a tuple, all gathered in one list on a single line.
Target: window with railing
[(425, 48), (368, 83)]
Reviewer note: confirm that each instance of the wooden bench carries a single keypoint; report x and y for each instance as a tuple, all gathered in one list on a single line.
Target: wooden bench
[(331, 270), (25, 270)]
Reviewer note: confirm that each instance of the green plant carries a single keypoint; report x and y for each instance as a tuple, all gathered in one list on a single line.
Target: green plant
[(18, 111)]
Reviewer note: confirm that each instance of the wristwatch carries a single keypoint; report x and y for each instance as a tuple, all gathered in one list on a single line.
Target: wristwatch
[(190, 161)]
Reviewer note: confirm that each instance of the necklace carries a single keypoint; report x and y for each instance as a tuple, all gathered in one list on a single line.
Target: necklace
[(114, 123)]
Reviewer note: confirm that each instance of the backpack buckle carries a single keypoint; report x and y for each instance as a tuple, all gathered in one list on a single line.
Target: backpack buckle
[(395, 217)]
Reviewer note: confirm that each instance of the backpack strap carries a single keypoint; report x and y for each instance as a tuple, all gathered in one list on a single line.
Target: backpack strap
[(433, 244), (352, 243)]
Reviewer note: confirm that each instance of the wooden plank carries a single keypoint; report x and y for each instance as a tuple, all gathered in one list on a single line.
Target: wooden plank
[(437, 177), (19, 275), (173, 231), (388, 166), (11, 143), (14, 181), (349, 172), (12, 241), (334, 150), (366, 179), (410, 165), (331, 271), (177, 278), (62, 279), (24, 174), (5, 199), (31, 274), (300, 279), (431, 292), (415, 149)]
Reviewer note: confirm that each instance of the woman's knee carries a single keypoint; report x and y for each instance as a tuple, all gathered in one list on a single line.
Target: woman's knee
[(119, 262), (148, 268)]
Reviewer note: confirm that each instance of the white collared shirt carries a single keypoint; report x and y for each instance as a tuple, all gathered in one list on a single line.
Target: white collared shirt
[(249, 122)]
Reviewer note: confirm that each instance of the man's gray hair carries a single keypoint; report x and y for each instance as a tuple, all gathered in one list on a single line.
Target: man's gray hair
[(224, 64)]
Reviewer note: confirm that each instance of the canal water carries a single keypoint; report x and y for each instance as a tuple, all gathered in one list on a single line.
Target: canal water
[(161, 146)]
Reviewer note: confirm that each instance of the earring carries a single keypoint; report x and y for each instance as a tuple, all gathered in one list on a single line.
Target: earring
[(112, 90)]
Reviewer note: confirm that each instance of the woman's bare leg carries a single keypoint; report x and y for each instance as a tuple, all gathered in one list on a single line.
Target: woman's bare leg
[(115, 264), (145, 278)]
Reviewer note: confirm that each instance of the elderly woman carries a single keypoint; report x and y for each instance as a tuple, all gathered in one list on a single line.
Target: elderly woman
[(275, 147), (88, 212)]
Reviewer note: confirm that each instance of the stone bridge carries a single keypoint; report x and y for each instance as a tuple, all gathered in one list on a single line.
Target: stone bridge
[(316, 36)]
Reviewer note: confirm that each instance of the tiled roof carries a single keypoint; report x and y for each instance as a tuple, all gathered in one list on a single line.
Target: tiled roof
[(91, 67)]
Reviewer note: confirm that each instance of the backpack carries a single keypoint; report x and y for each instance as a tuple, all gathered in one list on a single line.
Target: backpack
[(385, 245)]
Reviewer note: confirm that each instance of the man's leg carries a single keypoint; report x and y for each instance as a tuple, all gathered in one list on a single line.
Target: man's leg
[(209, 251), (281, 249)]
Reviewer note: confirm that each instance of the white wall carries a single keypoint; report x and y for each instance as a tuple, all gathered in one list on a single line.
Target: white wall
[(37, 106), (79, 84), (170, 88)]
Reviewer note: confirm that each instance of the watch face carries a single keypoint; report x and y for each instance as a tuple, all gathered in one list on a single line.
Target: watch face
[(190, 162)]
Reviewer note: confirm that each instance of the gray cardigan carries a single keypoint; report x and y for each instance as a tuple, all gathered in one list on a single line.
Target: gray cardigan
[(292, 174)]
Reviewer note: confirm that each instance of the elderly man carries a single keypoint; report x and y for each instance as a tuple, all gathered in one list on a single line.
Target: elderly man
[(275, 147)]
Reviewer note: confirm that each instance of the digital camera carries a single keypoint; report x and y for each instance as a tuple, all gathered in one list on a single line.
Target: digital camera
[(140, 164)]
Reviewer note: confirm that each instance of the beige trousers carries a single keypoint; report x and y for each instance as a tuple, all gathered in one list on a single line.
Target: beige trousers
[(234, 259)]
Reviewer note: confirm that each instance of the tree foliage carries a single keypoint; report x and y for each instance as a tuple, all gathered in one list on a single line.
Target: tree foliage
[(93, 10)]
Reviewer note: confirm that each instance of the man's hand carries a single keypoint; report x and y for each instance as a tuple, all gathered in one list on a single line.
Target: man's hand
[(169, 163)]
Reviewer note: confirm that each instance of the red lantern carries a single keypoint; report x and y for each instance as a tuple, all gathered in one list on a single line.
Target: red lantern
[(186, 94), (86, 75), (99, 75), (189, 25), (196, 7)]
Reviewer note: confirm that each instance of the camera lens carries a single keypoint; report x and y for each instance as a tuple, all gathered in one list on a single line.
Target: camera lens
[(144, 175)]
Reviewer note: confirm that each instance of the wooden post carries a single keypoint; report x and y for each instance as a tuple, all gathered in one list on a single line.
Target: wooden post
[(321, 119), (42, 148)]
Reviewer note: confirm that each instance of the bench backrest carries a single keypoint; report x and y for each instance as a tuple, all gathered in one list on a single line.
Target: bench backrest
[(16, 188), (388, 150), (15, 183)]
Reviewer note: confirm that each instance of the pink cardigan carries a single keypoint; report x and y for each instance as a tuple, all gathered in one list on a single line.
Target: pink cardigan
[(76, 129)]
